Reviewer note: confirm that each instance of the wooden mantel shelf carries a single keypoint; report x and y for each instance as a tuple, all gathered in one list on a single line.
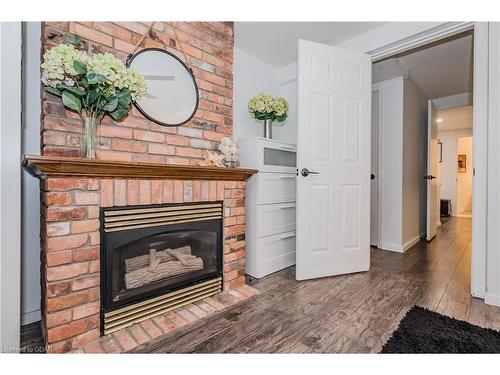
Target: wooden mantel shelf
[(51, 166)]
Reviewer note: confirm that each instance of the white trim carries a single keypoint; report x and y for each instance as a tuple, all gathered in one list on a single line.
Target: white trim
[(480, 160), (380, 182), (493, 219), (10, 185), (30, 189), (429, 36), (382, 46), (391, 247), (401, 249), (491, 299)]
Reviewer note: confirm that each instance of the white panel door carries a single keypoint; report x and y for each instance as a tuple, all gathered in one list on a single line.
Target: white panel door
[(333, 143), (432, 166)]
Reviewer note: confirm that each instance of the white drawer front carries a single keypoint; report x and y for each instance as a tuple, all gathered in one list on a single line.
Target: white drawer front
[(277, 252), (275, 218), (276, 188)]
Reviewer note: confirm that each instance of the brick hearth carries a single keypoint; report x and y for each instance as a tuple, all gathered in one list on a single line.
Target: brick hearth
[(132, 337)]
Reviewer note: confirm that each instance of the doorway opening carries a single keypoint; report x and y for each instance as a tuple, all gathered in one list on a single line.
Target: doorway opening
[(456, 161), (421, 116), (464, 177)]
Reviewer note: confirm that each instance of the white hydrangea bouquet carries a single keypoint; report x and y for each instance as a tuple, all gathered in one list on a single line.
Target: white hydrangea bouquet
[(267, 108), (92, 86)]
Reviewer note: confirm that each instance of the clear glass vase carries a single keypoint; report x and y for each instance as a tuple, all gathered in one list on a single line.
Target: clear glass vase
[(89, 141)]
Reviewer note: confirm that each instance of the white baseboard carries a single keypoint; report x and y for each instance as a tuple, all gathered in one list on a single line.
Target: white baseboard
[(30, 317), (477, 294), (391, 247), (491, 299), (411, 242), (401, 248)]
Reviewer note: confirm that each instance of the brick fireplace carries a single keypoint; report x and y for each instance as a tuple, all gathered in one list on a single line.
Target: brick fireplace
[(140, 163), (71, 243)]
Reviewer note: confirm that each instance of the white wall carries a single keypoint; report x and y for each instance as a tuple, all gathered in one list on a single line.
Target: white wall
[(452, 101), (414, 163), (252, 76), (287, 88), (10, 184), (402, 163), (30, 282), (464, 180), (390, 162)]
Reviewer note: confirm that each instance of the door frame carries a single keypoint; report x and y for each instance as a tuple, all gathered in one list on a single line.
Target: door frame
[(380, 182), (455, 170), (385, 49), (430, 185)]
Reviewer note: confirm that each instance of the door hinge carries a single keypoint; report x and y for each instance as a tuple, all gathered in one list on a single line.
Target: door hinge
[(473, 171)]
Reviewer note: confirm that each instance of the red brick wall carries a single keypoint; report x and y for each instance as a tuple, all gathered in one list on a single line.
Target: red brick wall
[(70, 207), (71, 243), (209, 50)]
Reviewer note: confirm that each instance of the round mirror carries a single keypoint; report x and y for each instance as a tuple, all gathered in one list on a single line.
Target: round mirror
[(172, 97)]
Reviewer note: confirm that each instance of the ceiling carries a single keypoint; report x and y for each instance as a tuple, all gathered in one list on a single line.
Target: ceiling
[(455, 118), (442, 70), (276, 42)]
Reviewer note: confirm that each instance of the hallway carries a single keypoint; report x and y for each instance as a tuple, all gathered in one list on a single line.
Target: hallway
[(354, 313)]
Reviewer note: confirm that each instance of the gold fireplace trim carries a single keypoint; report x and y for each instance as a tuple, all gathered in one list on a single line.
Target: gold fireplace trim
[(117, 220), (138, 312)]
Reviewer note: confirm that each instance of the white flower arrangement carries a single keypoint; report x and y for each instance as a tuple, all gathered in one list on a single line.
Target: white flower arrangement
[(265, 107), (91, 85)]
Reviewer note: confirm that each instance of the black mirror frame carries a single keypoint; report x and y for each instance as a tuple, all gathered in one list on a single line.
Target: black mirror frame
[(131, 58)]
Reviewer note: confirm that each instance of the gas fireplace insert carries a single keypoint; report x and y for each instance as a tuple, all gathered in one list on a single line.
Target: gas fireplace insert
[(148, 251)]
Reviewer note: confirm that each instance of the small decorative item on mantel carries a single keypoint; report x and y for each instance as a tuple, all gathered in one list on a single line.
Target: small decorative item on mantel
[(212, 159), (268, 108), (230, 153), (92, 86), (228, 157)]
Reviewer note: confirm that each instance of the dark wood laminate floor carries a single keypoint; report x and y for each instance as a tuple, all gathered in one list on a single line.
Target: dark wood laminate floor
[(353, 313), (31, 339)]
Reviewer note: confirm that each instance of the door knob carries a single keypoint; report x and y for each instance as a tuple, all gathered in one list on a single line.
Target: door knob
[(372, 177), (306, 172)]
